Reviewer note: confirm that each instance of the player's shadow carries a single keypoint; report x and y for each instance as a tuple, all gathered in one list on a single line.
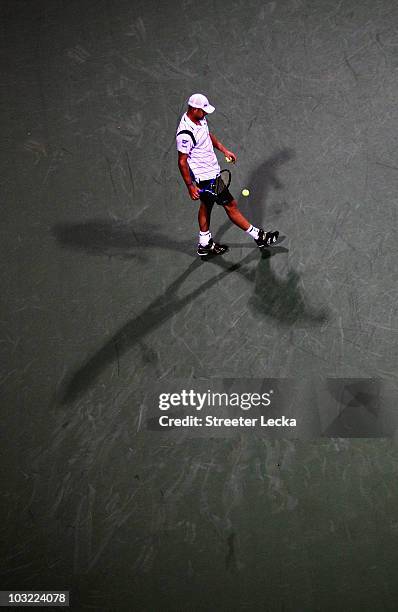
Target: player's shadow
[(133, 332), (282, 299), (261, 181), (116, 238)]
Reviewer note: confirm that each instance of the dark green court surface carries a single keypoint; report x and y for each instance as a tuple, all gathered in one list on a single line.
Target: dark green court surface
[(104, 300)]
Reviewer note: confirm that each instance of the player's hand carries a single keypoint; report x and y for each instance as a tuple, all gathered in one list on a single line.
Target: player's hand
[(231, 156), (194, 192)]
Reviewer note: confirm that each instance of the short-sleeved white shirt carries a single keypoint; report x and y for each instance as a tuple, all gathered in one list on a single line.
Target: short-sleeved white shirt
[(201, 158)]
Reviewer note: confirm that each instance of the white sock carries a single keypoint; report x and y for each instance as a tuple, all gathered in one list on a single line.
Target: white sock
[(253, 231), (204, 238)]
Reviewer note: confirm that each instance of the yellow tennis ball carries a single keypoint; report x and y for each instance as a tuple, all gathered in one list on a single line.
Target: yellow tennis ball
[(245, 192), (228, 159)]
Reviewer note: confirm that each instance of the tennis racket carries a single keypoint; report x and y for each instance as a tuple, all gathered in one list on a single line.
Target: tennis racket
[(218, 185)]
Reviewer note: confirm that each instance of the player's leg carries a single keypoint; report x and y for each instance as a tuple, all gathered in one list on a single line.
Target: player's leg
[(236, 216), (204, 215), (206, 244), (261, 237)]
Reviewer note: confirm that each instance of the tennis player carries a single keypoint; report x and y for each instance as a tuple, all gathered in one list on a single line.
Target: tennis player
[(199, 167)]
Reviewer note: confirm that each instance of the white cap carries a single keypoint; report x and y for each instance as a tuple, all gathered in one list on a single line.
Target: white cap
[(200, 101)]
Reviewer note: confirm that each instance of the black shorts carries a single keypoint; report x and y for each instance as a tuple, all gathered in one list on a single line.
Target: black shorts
[(225, 198)]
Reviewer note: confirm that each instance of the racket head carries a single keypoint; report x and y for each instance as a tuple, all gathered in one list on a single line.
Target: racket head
[(222, 181)]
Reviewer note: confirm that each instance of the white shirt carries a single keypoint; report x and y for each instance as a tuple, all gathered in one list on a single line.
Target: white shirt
[(201, 158)]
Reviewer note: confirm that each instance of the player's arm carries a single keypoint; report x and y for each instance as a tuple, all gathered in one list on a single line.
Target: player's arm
[(186, 175), (218, 145)]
